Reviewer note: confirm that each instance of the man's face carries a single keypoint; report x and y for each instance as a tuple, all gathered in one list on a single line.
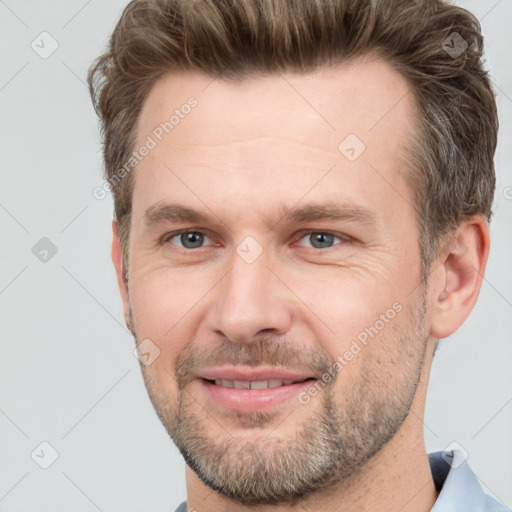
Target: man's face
[(301, 253)]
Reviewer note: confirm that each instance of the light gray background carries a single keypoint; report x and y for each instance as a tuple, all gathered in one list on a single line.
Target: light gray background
[(68, 375)]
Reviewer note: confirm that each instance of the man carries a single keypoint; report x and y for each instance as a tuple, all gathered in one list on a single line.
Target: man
[(302, 194)]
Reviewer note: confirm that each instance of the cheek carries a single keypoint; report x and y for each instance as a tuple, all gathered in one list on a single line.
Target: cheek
[(337, 304), (165, 295), (168, 306), (165, 304), (340, 303)]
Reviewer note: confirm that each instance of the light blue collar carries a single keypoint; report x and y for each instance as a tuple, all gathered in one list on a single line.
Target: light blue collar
[(460, 489)]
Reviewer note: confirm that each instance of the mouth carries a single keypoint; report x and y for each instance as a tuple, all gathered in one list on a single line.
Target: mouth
[(256, 384), (252, 391)]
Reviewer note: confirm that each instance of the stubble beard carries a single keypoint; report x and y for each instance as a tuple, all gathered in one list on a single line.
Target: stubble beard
[(337, 438)]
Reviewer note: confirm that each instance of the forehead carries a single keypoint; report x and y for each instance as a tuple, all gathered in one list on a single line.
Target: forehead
[(271, 129), (357, 97)]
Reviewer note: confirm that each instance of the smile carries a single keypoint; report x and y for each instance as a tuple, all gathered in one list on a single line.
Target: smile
[(250, 396), (258, 384)]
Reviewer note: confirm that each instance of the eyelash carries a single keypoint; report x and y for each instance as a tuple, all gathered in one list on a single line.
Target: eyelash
[(344, 239)]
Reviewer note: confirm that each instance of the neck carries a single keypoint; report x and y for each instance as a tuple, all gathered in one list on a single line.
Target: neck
[(398, 477)]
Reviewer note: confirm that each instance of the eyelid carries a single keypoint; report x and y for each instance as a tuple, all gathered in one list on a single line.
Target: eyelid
[(344, 238), (168, 236), (302, 234)]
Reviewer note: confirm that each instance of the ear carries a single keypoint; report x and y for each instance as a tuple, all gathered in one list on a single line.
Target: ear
[(457, 279), (122, 280)]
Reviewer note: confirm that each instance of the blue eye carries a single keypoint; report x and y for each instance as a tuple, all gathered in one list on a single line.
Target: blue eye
[(189, 239), (320, 239), (312, 239)]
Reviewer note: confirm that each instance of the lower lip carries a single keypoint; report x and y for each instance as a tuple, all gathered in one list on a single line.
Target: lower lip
[(253, 400)]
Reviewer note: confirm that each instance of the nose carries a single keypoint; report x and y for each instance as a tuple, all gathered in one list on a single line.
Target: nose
[(250, 301)]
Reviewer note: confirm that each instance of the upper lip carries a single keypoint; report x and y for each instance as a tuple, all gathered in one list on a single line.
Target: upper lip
[(251, 374)]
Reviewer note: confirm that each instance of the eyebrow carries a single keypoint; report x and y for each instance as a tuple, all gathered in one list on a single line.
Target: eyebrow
[(172, 212), (329, 211), (312, 212)]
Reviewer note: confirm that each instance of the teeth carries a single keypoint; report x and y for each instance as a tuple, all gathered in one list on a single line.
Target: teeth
[(258, 384)]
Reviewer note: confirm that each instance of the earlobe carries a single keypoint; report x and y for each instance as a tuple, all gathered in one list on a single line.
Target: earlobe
[(458, 278)]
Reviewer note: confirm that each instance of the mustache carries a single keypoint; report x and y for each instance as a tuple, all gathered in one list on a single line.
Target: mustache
[(263, 352)]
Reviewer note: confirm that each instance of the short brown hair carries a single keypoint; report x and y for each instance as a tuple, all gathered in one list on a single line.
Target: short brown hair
[(450, 159)]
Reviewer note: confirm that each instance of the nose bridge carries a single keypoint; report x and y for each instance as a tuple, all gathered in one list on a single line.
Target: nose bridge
[(249, 300)]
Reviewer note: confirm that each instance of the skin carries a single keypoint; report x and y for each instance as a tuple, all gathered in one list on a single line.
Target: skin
[(245, 152)]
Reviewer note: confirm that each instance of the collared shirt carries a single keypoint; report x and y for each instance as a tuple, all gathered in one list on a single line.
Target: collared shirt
[(460, 489)]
